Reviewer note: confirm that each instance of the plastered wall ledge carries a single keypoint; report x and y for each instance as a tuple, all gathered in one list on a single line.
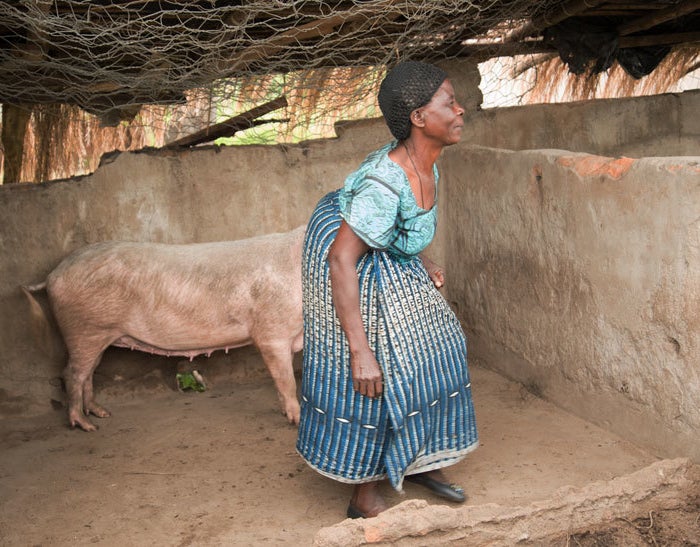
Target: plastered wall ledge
[(665, 484)]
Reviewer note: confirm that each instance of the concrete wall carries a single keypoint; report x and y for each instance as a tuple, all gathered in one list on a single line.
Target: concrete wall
[(662, 125), (579, 276), (574, 274)]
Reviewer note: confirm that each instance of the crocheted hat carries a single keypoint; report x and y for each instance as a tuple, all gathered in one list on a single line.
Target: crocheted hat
[(407, 86)]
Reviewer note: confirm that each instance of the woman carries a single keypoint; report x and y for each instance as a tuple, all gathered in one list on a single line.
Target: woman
[(385, 387)]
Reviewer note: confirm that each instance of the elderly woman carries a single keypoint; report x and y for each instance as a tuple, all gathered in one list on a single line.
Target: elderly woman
[(385, 389)]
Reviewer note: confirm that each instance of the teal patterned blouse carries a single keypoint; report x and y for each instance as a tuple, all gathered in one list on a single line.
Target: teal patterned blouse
[(378, 204)]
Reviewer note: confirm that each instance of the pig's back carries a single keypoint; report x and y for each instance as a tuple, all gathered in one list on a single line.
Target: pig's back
[(116, 260), (221, 286)]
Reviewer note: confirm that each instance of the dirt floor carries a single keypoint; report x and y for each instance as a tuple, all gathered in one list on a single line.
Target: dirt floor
[(220, 468)]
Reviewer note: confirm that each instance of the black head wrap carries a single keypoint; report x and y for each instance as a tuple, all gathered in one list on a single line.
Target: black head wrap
[(407, 86)]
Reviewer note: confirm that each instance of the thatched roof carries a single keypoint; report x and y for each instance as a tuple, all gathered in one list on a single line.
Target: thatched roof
[(110, 57)]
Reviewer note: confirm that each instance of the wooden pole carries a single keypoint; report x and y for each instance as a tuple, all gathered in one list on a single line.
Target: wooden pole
[(229, 127), (485, 51)]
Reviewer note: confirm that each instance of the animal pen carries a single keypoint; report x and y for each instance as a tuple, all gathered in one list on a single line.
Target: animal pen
[(570, 236)]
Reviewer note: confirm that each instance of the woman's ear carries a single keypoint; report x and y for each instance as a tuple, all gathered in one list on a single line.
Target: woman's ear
[(417, 117)]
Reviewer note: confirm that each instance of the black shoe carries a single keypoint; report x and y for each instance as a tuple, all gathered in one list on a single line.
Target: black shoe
[(450, 492), (355, 513)]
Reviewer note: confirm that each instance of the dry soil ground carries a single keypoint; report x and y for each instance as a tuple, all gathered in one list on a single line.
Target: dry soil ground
[(219, 467)]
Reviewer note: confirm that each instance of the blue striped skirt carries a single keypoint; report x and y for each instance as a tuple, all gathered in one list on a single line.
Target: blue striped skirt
[(425, 418)]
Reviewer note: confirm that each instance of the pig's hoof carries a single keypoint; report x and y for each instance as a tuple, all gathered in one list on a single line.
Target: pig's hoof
[(82, 423), (97, 410)]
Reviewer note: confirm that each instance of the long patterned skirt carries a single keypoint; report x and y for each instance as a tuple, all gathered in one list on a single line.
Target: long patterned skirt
[(425, 418)]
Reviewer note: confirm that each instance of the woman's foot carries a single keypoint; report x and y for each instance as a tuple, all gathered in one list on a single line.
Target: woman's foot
[(438, 484), (366, 501)]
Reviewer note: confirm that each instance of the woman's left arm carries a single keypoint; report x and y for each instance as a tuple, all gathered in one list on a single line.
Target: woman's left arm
[(436, 273)]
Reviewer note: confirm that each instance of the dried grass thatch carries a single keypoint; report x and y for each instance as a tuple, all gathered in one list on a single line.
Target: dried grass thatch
[(554, 83), (64, 141)]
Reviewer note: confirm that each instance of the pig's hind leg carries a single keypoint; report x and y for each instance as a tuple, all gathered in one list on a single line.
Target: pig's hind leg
[(78, 376), (90, 406), (278, 359)]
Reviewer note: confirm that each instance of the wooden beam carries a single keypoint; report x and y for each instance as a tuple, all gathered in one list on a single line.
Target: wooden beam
[(488, 50), (658, 17), (312, 29), (569, 9), (229, 127), (602, 12), (483, 51), (628, 5)]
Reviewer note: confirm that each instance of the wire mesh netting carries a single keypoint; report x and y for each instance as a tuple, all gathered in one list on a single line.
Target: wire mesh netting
[(155, 70), (112, 57)]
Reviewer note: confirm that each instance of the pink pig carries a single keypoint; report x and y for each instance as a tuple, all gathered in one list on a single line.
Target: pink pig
[(178, 300)]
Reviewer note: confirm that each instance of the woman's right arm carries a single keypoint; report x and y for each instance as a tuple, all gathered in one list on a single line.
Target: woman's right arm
[(346, 250)]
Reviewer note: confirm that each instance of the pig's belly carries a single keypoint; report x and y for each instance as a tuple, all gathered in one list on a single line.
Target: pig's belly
[(172, 349), (187, 331)]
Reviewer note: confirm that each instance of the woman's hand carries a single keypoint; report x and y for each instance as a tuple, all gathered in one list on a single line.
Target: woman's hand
[(366, 374), (436, 273)]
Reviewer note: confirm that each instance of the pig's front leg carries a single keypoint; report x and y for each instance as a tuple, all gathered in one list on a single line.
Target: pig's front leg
[(278, 359)]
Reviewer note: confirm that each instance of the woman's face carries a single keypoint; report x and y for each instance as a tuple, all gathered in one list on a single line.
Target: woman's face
[(443, 117)]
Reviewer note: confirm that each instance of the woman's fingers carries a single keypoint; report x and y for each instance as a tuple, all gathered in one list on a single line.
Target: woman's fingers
[(369, 388), (366, 373), (375, 388), (438, 277), (436, 273), (378, 388)]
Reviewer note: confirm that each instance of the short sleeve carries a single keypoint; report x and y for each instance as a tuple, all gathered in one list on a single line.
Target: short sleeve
[(370, 206)]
